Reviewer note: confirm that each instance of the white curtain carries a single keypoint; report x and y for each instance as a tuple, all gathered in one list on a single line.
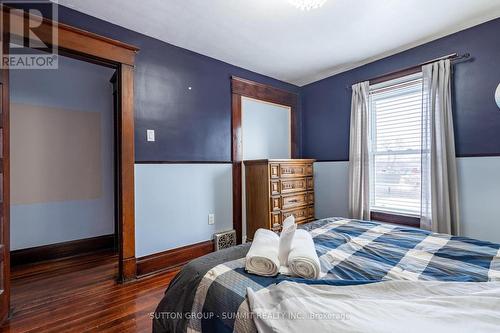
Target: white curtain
[(439, 171), (359, 205)]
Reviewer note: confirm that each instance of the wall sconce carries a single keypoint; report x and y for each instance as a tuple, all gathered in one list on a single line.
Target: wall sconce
[(497, 95)]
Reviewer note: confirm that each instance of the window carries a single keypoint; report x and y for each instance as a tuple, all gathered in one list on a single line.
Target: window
[(396, 148)]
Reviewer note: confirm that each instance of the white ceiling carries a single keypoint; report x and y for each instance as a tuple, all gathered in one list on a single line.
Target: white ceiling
[(273, 38)]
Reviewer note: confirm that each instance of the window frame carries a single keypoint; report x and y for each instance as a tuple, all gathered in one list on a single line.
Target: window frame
[(378, 214)]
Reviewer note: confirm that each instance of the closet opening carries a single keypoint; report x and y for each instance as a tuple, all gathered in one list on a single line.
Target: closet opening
[(63, 164)]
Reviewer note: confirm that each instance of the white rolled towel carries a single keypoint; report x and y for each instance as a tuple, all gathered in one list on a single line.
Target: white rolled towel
[(286, 239), (303, 260), (263, 256)]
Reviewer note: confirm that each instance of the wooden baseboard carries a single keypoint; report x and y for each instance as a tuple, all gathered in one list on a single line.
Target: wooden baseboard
[(61, 250), (171, 259)]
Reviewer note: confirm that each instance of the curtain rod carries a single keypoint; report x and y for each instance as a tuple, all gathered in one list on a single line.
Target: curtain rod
[(455, 57)]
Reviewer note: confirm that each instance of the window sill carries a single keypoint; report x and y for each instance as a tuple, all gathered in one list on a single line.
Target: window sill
[(411, 221)]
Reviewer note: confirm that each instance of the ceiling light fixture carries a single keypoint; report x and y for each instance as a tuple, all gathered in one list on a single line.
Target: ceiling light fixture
[(307, 4), (497, 95)]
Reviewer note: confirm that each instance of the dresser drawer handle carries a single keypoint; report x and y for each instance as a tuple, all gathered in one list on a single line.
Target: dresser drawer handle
[(293, 170)]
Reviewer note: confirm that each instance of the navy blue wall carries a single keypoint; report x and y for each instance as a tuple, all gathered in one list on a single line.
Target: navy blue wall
[(190, 125), (195, 125), (326, 104)]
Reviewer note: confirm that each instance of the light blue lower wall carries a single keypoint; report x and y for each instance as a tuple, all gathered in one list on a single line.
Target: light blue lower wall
[(172, 203), (479, 185), (331, 181), (56, 222), (479, 190)]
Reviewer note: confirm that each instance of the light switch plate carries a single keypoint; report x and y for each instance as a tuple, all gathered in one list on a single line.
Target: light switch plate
[(150, 135), (211, 218)]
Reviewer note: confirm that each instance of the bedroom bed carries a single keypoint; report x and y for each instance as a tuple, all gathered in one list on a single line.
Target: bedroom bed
[(209, 294)]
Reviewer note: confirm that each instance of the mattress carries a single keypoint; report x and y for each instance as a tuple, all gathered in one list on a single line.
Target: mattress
[(209, 294)]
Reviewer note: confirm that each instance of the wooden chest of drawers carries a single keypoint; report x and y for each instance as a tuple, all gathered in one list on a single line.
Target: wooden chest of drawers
[(276, 189)]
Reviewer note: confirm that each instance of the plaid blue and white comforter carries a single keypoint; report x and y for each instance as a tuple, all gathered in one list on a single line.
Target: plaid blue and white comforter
[(351, 252)]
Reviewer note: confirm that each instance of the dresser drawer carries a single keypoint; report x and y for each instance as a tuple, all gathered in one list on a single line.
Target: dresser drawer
[(275, 187), (274, 170), (275, 204), (310, 213), (275, 221), (295, 170), (294, 200), (310, 183), (293, 185), (301, 214), (310, 198)]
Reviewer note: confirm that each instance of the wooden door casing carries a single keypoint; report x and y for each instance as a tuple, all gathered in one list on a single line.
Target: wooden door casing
[(94, 48), (4, 186), (246, 88)]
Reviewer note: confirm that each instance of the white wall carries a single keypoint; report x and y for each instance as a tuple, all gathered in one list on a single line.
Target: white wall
[(172, 203), (479, 189), (75, 86), (266, 134)]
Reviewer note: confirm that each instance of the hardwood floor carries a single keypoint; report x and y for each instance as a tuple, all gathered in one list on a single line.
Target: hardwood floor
[(80, 294)]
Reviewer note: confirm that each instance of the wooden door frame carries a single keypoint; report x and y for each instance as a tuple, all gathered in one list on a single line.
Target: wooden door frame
[(91, 47), (5, 169), (246, 88)]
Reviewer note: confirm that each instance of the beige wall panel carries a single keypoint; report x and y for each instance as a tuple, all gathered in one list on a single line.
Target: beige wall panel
[(56, 154)]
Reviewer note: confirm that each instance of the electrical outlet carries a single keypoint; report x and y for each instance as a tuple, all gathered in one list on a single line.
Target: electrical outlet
[(211, 218)]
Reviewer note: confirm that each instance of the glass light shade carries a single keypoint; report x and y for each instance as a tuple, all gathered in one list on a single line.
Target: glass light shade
[(497, 95), (307, 4)]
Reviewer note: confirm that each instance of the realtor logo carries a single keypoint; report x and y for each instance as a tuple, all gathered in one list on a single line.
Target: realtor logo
[(32, 37)]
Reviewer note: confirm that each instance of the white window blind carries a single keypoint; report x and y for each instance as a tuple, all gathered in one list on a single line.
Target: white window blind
[(395, 154)]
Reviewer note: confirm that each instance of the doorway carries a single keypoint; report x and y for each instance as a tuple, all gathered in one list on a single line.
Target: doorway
[(93, 48), (62, 155), (240, 89), (266, 134)]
